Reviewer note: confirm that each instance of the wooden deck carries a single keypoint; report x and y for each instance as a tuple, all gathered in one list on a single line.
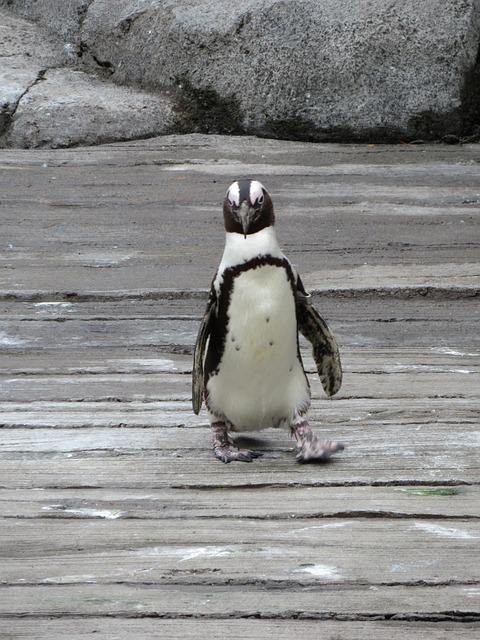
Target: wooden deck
[(115, 517)]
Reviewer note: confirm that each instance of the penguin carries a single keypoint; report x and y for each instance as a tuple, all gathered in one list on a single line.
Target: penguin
[(247, 365)]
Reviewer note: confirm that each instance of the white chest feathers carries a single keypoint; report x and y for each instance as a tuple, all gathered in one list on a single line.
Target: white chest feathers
[(260, 381)]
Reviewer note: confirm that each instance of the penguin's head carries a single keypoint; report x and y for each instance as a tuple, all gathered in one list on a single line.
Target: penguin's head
[(247, 208)]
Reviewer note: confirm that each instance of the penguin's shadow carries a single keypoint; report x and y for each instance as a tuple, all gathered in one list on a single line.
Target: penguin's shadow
[(246, 442)]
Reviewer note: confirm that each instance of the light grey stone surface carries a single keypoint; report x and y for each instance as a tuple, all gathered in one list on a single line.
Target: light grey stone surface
[(24, 56), (62, 17), (69, 107), (45, 102), (375, 70), (333, 69)]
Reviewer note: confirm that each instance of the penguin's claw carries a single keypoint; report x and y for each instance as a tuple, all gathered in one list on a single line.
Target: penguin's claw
[(231, 454), (311, 449), (225, 449), (318, 451)]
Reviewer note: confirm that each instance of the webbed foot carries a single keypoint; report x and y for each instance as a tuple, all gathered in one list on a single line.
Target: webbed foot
[(225, 449), (310, 448)]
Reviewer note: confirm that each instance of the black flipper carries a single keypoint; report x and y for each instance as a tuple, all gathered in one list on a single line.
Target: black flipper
[(325, 350), (199, 352)]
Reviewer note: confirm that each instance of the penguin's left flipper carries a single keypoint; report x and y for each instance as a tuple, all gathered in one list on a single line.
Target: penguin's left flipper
[(325, 350), (199, 353)]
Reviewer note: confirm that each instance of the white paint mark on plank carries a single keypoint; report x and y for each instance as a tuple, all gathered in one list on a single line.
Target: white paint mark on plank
[(154, 364), (362, 417), (406, 368), (445, 532), (206, 552), (9, 341), (452, 352), (324, 571), (333, 525), (85, 512), (407, 567), (98, 259), (185, 554), (70, 579), (53, 305)]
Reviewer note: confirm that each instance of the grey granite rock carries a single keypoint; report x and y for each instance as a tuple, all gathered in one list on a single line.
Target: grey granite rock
[(61, 17), (68, 107), (299, 68), (379, 70), (24, 57), (46, 103)]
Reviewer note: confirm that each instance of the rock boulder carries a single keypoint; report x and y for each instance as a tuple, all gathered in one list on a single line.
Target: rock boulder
[(68, 107), (335, 69), (379, 70), (46, 102), (60, 17)]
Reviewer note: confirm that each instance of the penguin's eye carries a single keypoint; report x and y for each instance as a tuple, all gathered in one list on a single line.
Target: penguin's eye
[(261, 199), (230, 201)]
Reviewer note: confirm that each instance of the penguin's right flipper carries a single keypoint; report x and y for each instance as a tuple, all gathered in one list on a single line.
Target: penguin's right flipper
[(325, 350), (199, 352)]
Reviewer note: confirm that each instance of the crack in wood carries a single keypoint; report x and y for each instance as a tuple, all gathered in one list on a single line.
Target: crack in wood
[(432, 292), (443, 616)]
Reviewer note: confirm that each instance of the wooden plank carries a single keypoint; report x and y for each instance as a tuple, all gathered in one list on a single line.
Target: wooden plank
[(420, 412), (95, 306), (102, 360), (99, 534), (428, 503), (205, 629), (375, 325), (234, 551), (448, 450), (76, 426), (210, 601), (398, 381), (402, 373), (178, 472)]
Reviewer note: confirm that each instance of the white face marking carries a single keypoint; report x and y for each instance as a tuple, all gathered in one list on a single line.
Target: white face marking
[(233, 194), (256, 192)]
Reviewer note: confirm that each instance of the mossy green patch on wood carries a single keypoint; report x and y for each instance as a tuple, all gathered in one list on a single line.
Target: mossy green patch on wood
[(441, 491)]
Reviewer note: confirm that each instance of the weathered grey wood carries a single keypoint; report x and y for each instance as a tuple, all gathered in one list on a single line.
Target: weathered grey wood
[(114, 513), (91, 534), (116, 471), (139, 629), (176, 412), (87, 444), (278, 502), (72, 199), (156, 379), (422, 433), (296, 551), (370, 323), (126, 600)]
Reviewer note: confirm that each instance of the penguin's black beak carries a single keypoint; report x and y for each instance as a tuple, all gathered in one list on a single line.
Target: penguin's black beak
[(245, 214)]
